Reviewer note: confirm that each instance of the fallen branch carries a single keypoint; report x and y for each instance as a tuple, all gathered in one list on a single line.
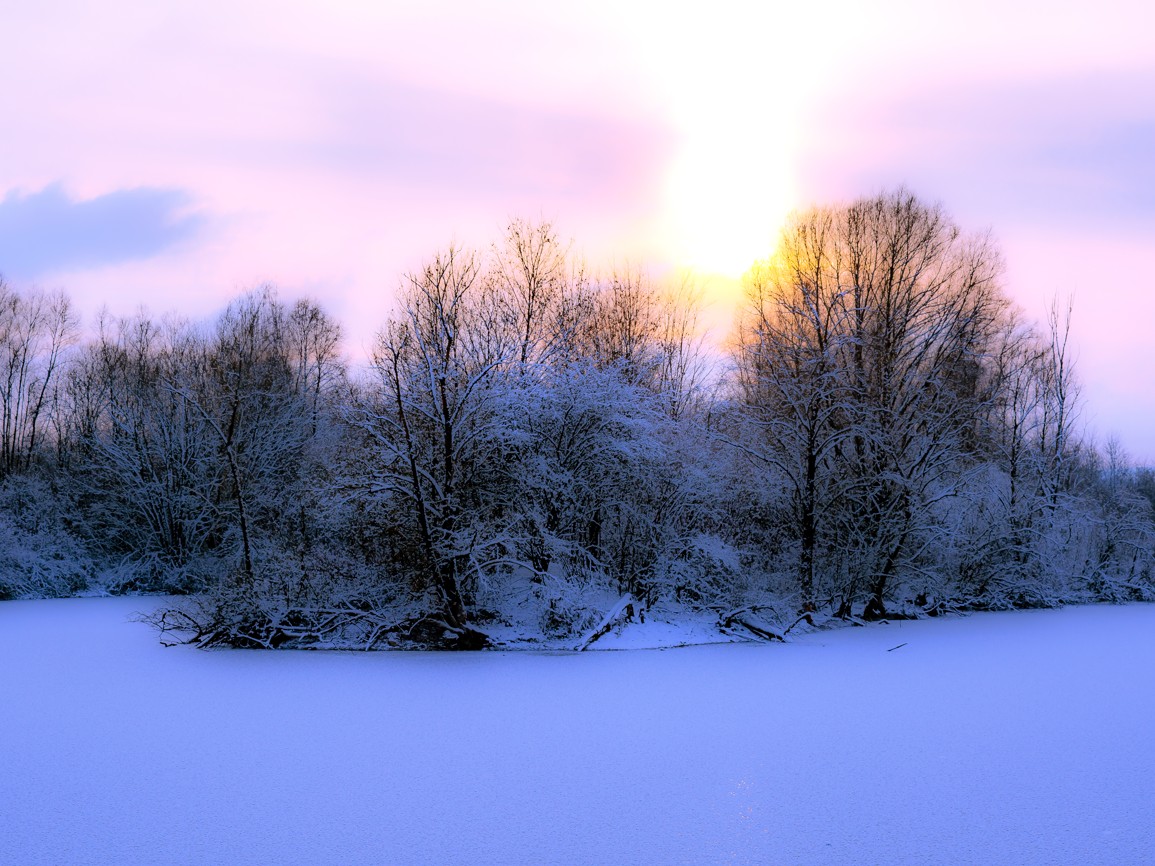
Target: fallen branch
[(623, 611), (809, 618), (747, 618)]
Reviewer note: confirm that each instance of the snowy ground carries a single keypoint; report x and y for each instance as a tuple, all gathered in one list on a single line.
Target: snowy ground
[(1014, 738)]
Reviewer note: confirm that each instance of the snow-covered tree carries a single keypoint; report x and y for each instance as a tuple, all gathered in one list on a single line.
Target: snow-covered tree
[(431, 419), (860, 368), (36, 329)]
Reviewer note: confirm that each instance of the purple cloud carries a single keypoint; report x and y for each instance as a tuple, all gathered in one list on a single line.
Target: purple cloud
[(48, 231)]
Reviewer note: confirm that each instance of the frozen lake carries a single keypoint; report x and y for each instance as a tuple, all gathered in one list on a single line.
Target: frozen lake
[(1016, 738)]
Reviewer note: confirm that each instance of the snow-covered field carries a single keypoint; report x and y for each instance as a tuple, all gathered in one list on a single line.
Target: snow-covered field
[(1012, 738)]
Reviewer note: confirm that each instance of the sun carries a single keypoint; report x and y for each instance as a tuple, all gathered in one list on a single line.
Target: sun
[(727, 203), (729, 186), (736, 88)]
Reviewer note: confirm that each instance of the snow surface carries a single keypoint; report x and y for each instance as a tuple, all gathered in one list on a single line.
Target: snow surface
[(1016, 738)]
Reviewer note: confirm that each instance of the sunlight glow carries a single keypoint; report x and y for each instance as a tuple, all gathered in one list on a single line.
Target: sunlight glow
[(729, 187), (728, 201)]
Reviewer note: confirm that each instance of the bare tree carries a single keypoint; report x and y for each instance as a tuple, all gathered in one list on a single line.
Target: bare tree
[(145, 462), (683, 374), (530, 270), (623, 325), (35, 331), (194, 442), (794, 387), (862, 362), (432, 419)]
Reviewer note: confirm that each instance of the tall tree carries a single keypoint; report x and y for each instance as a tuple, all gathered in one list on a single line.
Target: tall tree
[(862, 363), (35, 330), (432, 419)]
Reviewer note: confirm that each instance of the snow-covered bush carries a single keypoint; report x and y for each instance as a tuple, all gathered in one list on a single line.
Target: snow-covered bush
[(39, 555)]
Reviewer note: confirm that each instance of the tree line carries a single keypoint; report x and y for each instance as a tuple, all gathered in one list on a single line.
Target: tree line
[(531, 442)]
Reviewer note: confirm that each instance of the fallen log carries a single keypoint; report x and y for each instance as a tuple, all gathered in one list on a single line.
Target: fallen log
[(622, 612), (747, 618)]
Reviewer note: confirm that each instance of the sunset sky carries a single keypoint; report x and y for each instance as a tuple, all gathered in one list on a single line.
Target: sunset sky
[(172, 154)]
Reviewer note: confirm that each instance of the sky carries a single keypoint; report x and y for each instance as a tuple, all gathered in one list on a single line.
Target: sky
[(174, 154)]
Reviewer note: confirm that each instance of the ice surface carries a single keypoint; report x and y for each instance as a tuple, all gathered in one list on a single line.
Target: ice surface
[(1018, 738)]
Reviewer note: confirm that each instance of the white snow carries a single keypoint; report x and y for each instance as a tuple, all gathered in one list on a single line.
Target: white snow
[(1017, 738)]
